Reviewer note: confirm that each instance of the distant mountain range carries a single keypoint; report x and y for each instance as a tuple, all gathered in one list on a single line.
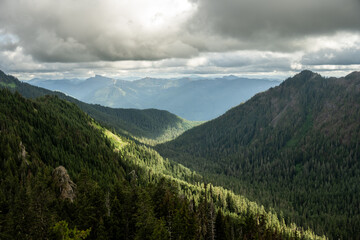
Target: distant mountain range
[(149, 126), (295, 148), (197, 99)]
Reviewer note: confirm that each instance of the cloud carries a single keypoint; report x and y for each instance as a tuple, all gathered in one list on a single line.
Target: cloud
[(110, 30), (278, 25), (341, 49), (347, 56), (256, 59), (70, 37)]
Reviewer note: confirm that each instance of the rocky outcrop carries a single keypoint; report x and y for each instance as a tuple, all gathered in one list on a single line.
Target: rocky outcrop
[(64, 184)]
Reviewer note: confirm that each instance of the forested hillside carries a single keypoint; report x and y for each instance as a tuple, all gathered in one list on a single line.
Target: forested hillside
[(294, 148), (62, 175), (150, 126)]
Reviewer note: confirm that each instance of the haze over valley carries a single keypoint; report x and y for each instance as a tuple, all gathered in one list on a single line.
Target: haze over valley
[(196, 99)]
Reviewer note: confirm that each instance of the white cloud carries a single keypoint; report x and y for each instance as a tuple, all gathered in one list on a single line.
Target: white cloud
[(75, 31), (127, 37)]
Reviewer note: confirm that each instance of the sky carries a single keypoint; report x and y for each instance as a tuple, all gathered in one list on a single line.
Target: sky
[(168, 38)]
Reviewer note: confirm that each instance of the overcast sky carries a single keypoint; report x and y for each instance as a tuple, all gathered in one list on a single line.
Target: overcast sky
[(122, 38)]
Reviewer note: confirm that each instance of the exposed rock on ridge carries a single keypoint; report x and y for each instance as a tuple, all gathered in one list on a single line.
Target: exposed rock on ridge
[(63, 182)]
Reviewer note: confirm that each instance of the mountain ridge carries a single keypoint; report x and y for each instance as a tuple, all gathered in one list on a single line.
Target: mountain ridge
[(110, 187), (193, 99), (160, 125), (286, 147)]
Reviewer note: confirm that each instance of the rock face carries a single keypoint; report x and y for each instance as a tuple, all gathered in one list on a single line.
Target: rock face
[(64, 183), (22, 152)]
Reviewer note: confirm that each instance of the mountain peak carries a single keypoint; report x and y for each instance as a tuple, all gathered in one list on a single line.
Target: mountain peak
[(301, 78), (230, 77), (7, 78), (99, 77), (353, 75), (306, 74)]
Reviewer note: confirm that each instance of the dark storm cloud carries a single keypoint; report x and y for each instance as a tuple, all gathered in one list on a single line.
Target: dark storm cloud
[(7, 46), (253, 58), (79, 31), (210, 36), (346, 56), (273, 25)]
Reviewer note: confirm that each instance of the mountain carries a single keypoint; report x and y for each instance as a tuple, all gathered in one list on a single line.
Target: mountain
[(150, 125), (190, 98), (63, 176), (73, 87), (294, 148)]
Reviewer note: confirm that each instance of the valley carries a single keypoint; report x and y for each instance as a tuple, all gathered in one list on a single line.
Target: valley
[(179, 120), (119, 185), (293, 148), (277, 154)]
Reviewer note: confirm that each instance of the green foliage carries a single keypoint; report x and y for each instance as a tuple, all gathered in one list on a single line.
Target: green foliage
[(150, 166), (126, 193), (62, 231), (7, 85), (301, 133), (294, 148), (149, 126), (124, 190)]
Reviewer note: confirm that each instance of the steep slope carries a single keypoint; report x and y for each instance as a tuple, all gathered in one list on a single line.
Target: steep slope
[(150, 126), (193, 99), (107, 186), (294, 147)]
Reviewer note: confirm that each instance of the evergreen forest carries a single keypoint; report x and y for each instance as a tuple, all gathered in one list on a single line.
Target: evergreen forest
[(63, 176), (294, 148)]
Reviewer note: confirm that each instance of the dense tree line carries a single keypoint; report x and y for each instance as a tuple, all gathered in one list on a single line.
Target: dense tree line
[(119, 194), (294, 148)]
